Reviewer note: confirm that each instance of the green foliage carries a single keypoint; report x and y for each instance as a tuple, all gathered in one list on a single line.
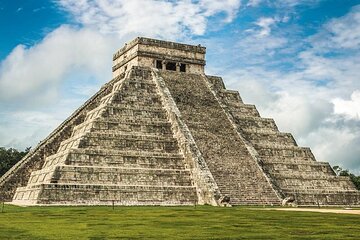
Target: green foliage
[(344, 172), (202, 222), (9, 157), (355, 180)]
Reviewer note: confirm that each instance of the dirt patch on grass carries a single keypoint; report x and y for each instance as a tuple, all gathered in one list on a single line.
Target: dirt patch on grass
[(322, 210)]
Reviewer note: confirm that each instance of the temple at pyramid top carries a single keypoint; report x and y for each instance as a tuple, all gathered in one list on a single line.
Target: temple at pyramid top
[(147, 52)]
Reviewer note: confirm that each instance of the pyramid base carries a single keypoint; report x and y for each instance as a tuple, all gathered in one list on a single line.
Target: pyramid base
[(63, 194)]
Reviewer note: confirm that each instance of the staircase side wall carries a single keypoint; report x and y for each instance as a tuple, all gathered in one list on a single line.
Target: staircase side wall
[(207, 189), (231, 164)]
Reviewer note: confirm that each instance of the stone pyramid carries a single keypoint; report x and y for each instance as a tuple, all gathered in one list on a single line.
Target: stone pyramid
[(161, 132)]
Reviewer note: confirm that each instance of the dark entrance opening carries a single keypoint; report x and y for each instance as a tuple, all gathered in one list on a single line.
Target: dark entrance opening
[(158, 64), (171, 66), (182, 67)]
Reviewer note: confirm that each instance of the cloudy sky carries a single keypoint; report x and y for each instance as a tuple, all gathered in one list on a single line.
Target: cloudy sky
[(297, 60)]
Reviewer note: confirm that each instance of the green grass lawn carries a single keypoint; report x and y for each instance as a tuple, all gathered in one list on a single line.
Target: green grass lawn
[(202, 222)]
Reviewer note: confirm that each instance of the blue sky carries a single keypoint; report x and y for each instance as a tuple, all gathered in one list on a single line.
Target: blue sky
[(298, 61)]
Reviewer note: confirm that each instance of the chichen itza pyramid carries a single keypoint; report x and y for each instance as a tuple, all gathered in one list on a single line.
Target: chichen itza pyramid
[(161, 132)]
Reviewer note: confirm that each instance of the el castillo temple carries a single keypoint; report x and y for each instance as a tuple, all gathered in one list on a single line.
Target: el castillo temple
[(162, 132)]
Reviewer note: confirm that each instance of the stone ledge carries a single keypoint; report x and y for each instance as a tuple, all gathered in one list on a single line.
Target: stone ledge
[(158, 43)]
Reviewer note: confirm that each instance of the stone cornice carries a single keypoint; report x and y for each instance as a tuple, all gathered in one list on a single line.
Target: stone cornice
[(159, 43)]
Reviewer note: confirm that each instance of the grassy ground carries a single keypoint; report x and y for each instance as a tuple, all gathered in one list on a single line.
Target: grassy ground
[(202, 222)]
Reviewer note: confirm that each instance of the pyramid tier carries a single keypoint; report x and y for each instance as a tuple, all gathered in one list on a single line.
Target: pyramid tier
[(128, 142), (312, 181), (256, 123), (299, 166), (123, 126), (110, 175), (135, 93), (84, 194), (243, 110), (121, 111), (276, 138), (311, 197), (143, 99), (121, 141), (110, 158), (287, 154)]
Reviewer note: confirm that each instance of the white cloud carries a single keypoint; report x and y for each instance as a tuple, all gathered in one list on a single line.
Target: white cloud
[(283, 97), (34, 82), (254, 3), (303, 109), (23, 128), (339, 146), (265, 25), (29, 71), (348, 108), (340, 33), (32, 71), (255, 44), (259, 47), (153, 18), (282, 3), (294, 3), (229, 7)]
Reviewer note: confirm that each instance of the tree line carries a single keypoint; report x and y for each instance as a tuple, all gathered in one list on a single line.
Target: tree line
[(9, 157)]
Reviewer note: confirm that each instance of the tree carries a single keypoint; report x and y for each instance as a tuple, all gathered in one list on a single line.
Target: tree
[(355, 180), (344, 172), (9, 157), (340, 171)]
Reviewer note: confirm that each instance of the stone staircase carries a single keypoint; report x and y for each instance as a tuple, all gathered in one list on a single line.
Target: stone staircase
[(123, 153), (293, 169), (235, 171)]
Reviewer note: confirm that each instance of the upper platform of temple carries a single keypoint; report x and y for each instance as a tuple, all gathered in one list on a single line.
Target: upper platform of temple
[(147, 52)]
